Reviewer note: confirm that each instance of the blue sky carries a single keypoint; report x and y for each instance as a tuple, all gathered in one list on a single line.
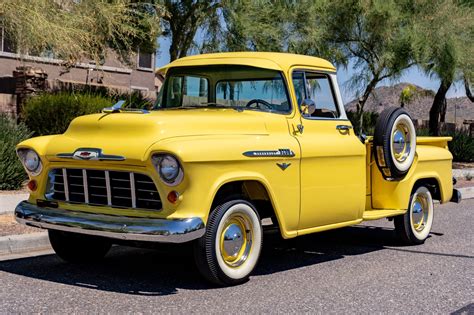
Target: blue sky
[(413, 75)]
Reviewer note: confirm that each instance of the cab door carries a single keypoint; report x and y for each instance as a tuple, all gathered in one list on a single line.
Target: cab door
[(332, 157)]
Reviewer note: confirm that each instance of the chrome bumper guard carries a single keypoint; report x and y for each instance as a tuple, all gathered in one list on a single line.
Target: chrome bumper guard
[(117, 227)]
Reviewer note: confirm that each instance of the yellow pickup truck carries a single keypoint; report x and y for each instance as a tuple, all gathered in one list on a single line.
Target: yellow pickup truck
[(234, 138)]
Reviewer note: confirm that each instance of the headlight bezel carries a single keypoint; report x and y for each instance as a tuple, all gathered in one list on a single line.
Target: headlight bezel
[(157, 160), (28, 156)]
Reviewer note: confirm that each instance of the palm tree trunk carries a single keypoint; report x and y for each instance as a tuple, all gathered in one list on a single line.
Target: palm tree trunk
[(437, 107), (468, 90)]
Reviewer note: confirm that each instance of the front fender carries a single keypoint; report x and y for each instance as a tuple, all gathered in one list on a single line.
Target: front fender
[(211, 162)]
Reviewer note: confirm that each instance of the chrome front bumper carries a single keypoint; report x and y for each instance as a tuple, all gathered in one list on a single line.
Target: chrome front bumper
[(117, 227)]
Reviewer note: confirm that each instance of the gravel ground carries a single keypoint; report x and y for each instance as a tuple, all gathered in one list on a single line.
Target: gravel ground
[(8, 226), (361, 269)]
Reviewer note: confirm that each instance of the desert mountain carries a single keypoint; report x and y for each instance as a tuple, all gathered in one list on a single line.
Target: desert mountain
[(385, 96)]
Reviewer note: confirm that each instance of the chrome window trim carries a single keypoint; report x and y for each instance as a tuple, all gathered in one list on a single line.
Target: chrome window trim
[(335, 91)]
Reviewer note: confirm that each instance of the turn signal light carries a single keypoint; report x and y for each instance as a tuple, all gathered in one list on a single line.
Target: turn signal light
[(173, 196), (32, 185)]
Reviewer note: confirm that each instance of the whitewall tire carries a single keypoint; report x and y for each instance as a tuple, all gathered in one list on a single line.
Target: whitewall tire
[(414, 226), (231, 246)]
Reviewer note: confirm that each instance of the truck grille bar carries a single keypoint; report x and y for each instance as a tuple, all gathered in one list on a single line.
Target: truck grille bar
[(103, 188)]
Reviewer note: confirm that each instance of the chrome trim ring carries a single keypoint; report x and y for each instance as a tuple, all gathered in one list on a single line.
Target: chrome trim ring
[(236, 240), (400, 145)]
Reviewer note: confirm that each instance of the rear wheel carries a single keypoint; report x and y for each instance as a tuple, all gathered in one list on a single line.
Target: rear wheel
[(414, 226), (78, 248), (230, 249)]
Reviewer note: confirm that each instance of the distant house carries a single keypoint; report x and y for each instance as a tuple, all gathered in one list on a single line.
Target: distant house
[(111, 74)]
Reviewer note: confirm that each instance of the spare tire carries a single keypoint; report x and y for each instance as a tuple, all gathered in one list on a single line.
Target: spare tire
[(394, 143)]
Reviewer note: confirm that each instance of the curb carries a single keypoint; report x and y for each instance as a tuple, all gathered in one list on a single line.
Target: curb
[(462, 172), (8, 202), (24, 243), (466, 192)]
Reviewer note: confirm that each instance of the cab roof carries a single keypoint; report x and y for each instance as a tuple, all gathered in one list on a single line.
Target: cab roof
[(266, 60)]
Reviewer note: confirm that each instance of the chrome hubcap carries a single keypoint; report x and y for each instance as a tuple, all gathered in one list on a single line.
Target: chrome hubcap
[(420, 209), (401, 142), (233, 240), (236, 240)]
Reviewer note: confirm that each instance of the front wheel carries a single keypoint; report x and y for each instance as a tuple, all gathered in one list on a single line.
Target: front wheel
[(78, 248), (414, 226), (229, 250)]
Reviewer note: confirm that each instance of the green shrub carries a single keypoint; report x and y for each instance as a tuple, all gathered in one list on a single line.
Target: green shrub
[(12, 174), (462, 147), (422, 132), (51, 113)]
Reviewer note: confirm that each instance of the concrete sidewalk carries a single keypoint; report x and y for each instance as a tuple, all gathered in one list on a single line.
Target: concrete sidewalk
[(8, 201)]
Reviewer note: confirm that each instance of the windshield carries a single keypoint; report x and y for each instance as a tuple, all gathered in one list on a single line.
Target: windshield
[(227, 86)]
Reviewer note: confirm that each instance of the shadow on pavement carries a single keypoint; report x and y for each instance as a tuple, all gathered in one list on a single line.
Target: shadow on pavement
[(162, 272)]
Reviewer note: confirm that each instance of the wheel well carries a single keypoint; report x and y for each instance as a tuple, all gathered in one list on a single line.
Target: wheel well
[(432, 184), (250, 190)]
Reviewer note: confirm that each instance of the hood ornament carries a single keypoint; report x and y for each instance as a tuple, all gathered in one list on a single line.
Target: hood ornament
[(117, 108), (114, 108)]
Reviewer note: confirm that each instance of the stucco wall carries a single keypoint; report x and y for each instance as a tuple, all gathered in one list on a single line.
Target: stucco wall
[(113, 73)]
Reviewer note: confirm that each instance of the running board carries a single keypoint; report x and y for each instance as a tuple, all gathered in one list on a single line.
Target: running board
[(380, 214)]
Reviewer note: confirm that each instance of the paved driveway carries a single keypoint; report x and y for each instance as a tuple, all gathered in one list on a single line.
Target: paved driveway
[(353, 270)]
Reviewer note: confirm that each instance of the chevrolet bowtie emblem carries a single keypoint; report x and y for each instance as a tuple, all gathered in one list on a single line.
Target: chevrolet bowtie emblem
[(283, 166)]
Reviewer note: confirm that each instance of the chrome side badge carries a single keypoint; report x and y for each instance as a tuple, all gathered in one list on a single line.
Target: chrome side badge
[(269, 153), (90, 154), (283, 166)]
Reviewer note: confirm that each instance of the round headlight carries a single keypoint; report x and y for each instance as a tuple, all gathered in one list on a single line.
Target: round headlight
[(169, 169), (30, 160)]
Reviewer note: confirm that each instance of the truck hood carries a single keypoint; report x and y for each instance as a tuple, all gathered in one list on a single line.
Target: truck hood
[(131, 134)]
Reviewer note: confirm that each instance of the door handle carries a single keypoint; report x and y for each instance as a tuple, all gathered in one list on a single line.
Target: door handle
[(343, 127)]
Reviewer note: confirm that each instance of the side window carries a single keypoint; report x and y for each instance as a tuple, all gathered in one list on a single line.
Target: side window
[(317, 87), (186, 91), (320, 91)]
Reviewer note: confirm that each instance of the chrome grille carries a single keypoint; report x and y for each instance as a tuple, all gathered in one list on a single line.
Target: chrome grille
[(103, 188)]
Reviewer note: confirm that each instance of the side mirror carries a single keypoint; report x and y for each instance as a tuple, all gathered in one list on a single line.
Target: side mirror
[(308, 107)]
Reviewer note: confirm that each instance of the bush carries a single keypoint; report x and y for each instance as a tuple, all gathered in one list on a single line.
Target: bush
[(12, 174), (51, 113), (462, 147)]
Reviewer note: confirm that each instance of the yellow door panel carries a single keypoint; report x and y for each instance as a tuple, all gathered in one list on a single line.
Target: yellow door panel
[(332, 174)]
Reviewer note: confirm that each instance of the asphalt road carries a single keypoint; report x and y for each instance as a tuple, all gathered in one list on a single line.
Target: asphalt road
[(360, 269)]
